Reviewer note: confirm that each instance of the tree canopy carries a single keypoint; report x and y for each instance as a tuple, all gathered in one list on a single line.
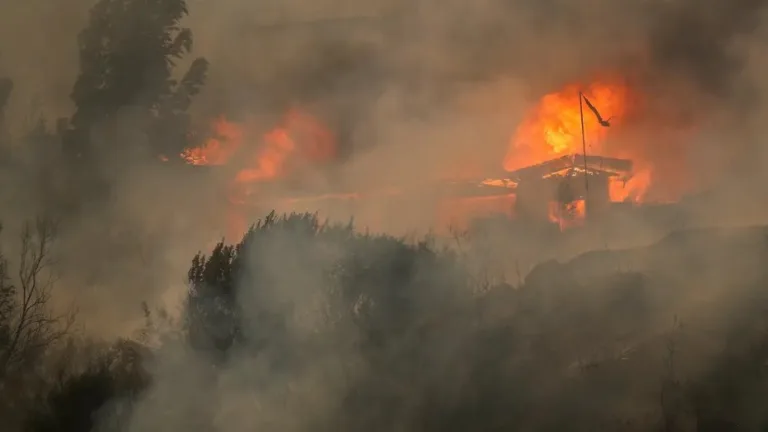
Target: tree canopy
[(128, 55)]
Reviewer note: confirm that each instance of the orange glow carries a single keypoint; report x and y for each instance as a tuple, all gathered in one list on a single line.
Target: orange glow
[(569, 215), (299, 138), (577, 212), (633, 190), (228, 137), (553, 128), (259, 157), (269, 160)]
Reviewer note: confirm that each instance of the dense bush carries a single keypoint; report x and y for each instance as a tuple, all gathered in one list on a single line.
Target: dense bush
[(427, 350), (98, 397), (311, 326)]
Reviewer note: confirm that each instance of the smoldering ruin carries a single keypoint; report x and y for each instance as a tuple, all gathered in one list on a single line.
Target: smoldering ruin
[(382, 215)]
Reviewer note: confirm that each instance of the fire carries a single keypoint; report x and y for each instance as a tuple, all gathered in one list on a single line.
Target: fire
[(553, 128), (297, 139), (228, 138), (269, 160), (299, 136), (568, 215), (634, 189)]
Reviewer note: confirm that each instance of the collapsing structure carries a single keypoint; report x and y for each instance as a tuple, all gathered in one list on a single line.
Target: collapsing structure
[(572, 186), (563, 191)]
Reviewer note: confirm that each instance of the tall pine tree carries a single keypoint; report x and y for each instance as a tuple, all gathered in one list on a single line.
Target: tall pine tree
[(128, 53)]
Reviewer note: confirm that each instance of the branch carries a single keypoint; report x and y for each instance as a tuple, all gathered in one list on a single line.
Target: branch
[(34, 327)]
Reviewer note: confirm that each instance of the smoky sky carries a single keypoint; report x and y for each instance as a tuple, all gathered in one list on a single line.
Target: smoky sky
[(398, 75), (269, 54), (427, 47), (696, 40)]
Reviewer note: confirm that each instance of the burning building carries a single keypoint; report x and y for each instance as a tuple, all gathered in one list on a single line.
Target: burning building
[(563, 166), (568, 189)]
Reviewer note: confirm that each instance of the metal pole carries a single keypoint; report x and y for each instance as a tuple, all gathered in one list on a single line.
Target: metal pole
[(583, 141)]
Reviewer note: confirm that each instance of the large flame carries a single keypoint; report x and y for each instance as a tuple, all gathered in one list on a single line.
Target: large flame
[(300, 138), (553, 127), (297, 139)]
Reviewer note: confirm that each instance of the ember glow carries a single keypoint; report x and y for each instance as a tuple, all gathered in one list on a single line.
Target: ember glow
[(550, 133), (633, 190), (569, 215), (260, 157), (227, 140), (553, 128), (299, 139)]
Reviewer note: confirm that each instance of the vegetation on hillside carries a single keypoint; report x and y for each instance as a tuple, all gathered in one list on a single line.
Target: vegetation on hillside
[(305, 325), (309, 326)]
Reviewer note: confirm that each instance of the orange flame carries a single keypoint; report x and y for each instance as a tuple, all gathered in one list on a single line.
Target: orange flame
[(568, 215), (269, 160), (218, 150), (298, 138), (553, 128), (634, 189)]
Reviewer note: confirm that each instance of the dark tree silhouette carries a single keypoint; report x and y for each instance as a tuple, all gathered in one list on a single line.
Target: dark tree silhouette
[(219, 281), (6, 87), (99, 396), (364, 271), (389, 293), (29, 328), (131, 99), (212, 319), (27, 324), (570, 348), (128, 53)]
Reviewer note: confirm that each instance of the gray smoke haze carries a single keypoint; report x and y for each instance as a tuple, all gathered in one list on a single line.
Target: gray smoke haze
[(415, 91)]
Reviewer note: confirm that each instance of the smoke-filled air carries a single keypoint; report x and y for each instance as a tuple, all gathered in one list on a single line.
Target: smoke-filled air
[(383, 215)]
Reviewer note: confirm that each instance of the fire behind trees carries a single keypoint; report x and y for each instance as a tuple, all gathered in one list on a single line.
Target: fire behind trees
[(305, 326)]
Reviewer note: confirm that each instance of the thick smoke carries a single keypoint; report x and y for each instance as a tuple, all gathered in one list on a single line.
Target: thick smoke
[(422, 90), (415, 91)]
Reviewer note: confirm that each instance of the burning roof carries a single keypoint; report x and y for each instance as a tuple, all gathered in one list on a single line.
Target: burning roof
[(612, 167), (547, 144)]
